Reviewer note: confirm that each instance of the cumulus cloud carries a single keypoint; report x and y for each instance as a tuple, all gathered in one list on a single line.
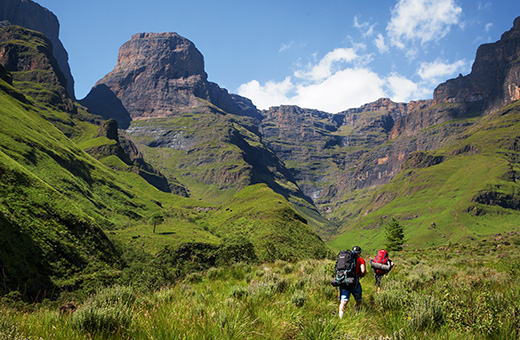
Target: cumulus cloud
[(340, 80), (272, 93), (422, 21), (438, 70), (401, 89), (323, 88), (328, 64)]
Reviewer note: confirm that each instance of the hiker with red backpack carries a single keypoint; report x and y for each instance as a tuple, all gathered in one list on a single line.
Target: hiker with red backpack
[(350, 267), (381, 265)]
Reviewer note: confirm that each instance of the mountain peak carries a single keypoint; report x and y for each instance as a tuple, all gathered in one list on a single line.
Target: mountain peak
[(494, 80), (160, 75)]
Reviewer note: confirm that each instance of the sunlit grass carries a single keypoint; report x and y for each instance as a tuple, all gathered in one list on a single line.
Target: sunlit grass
[(436, 293)]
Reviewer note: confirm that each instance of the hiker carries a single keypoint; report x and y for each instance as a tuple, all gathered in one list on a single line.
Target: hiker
[(355, 289), (381, 265)]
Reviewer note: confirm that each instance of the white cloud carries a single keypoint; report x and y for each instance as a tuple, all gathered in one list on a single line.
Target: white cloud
[(335, 83), (330, 63), (365, 28), (381, 44), (438, 70), (272, 93), (285, 47), (421, 21), (488, 27), (401, 88), (351, 87)]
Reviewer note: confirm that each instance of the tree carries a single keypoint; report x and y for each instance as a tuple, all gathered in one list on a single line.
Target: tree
[(157, 218), (394, 235)]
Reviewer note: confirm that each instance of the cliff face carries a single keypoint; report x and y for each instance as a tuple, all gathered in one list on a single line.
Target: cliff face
[(160, 75), (30, 15), (27, 55), (495, 76)]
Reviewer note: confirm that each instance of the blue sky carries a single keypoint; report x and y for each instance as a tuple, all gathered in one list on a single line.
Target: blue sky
[(329, 55)]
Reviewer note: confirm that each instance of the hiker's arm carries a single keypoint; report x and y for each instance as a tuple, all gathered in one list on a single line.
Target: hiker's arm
[(363, 270)]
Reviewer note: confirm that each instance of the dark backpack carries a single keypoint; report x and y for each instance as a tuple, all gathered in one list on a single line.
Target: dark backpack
[(345, 269), (380, 263)]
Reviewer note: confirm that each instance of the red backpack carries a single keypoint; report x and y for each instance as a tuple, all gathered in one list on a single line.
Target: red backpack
[(381, 259)]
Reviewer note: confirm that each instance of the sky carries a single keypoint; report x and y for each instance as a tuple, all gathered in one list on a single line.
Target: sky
[(329, 55)]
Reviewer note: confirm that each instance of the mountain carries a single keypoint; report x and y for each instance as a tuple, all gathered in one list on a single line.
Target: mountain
[(494, 76), (31, 15), (343, 161), (190, 129), (77, 193), (81, 182), (159, 75)]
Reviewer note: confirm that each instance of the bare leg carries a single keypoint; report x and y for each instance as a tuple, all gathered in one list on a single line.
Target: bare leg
[(342, 306)]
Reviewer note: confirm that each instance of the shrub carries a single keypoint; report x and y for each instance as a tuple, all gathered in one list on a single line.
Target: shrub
[(214, 273), (426, 313), (238, 270), (100, 319), (193, 278), (239, 292), (329, 292), (121, 295), (393, 299), (298, 298), (288, 268)]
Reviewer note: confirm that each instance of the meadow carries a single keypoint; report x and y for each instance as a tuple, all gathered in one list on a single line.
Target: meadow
[(457, 291)]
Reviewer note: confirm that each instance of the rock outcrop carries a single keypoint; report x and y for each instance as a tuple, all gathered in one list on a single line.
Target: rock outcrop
[(494, 80), (31, 15), (160, 75), (27, 55)]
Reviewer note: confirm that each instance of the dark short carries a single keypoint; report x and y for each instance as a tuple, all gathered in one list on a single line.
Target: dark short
[(378, 278), (357, 292)]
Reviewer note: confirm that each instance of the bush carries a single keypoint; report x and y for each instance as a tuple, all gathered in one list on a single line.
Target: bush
[(107, 311), (426, 313), (395, 299), (214, 273), (193, 278), (102, 319), (288, 268), (298, 298), (239, 292), (121, 295)]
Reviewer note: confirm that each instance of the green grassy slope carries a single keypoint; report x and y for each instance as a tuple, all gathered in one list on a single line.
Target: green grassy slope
[(473, 192), (62, 210)]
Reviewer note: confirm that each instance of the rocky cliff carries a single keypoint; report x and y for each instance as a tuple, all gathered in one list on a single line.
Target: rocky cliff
[(160, 75), (28, 56), (31, 15), (495, 76)]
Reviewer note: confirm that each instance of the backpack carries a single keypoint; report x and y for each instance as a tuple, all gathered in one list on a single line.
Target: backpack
[(380, 263), (345, 269)]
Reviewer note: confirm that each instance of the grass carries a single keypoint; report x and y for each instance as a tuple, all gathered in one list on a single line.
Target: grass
[(463, 291)]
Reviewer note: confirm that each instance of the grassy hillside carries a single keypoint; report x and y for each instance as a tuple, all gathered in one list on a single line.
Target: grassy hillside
[(71, 218), (471, 192)]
